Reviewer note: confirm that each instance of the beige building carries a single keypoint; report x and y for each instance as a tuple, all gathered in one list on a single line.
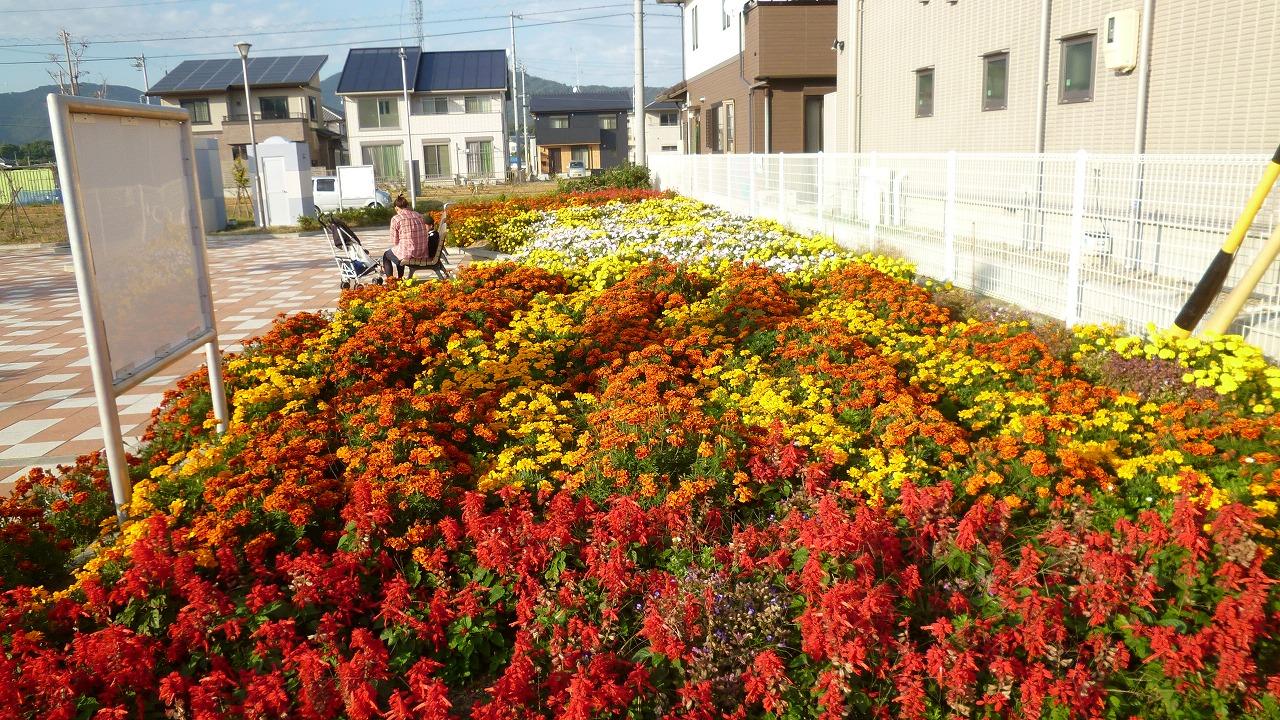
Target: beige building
[(756, 75), (285, 100), (661, 129), (933, 75)]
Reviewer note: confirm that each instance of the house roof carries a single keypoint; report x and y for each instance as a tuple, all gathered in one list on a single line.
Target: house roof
[(225, 73), (378, 70), (579, 102), (657, 105), (673, 92), (462, 70)]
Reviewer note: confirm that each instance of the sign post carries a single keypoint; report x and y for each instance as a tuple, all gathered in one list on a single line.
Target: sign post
[(131, 200)]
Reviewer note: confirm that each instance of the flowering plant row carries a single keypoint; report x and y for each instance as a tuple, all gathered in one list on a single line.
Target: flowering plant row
[(700, 490), (491, 221)]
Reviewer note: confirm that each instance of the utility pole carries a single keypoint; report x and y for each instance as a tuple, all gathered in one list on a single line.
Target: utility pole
[(515, 101), (638, 92), (72, 72), (141, 63), (417, 19), (524, 119)]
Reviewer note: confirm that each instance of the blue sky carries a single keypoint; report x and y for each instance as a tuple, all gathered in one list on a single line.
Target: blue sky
[(598, 33)]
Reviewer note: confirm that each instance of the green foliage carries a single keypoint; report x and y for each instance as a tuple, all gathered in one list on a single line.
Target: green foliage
[(355, 217), (627, 176)]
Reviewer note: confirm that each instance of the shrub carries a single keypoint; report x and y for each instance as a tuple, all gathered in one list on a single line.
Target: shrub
[(355, 217), (627, 176)]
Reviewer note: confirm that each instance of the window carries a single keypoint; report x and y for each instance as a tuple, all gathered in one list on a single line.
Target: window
[(669, 148), (376, 113), (477, 104), (694, 27), (479, 157), (924, 92), (995, 81), (729, 126), (608, 122), (724, 14), (559, 122), (713, 128), (274, 108), (240, 152), (582, 154), (387, 160), (326, 185), (434, 105), (668, 119), (437, 160), (1077, 70), (311, 107), (199, 110), (813, 123)]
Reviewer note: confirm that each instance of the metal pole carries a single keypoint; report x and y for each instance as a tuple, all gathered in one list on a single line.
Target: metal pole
[(515, 101), (637, 99), (141, 62), (408, 134), (95, 338), (253, 139), (526, 157)]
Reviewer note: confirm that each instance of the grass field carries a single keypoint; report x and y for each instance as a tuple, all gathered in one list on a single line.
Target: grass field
[(48, 225)]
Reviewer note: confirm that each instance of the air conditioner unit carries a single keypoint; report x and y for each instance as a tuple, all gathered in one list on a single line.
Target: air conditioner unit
[(1120, 40)]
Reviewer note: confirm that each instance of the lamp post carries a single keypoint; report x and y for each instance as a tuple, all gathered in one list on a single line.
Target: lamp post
[(408, 134), (243, 47)]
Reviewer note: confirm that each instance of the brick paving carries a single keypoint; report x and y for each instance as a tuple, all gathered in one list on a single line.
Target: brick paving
[(48, 412)]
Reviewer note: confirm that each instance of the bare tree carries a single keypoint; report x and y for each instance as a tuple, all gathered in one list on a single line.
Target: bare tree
[(101, 92), (67, 72)]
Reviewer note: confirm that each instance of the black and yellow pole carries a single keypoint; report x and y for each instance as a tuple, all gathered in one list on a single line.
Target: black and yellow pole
[(1220, 321), (1216, 275)]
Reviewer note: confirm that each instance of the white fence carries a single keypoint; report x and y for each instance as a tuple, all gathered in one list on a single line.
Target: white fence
[(1083, 238)]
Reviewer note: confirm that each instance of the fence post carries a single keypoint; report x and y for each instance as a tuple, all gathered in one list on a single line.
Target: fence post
[(949, 222), (1071, 311), (820, 186), (782, 187), (874, 229)]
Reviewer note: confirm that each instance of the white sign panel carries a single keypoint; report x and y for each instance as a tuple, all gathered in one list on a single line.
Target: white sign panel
[(132, 187)]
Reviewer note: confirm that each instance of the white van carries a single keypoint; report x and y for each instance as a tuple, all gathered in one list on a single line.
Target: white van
[(352, 187)]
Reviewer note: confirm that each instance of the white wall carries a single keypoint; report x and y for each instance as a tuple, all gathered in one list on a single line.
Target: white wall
[(456, 129), (715, 42)]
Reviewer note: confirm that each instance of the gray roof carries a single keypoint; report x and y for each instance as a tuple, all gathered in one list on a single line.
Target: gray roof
[(462, 70), (662, 105), (378, 70), (222, 74), (579, 102)]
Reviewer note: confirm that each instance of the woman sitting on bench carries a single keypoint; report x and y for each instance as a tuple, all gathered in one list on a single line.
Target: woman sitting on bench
[(410, 241)]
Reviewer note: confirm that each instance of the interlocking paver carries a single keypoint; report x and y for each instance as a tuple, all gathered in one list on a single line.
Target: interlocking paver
[(48, 412)]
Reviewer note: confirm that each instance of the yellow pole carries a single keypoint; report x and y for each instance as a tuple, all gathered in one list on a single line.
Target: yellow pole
[(1216, 275), (1226, 313)]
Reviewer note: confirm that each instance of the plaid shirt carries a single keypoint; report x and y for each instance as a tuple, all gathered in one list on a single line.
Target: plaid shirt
[(409, 236)]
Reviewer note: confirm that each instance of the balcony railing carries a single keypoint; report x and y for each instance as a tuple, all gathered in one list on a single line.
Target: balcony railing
[(259, 117)]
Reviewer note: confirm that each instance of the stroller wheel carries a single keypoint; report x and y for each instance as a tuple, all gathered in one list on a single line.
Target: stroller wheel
[(377, 281), (344, 285)]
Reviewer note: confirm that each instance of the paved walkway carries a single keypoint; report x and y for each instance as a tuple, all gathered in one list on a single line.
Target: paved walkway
[(48, 413)]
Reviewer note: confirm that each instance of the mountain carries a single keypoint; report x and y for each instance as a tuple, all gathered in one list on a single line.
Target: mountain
[(24, 117)]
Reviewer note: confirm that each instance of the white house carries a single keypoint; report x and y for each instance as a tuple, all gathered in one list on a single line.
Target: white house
[(457, 123)]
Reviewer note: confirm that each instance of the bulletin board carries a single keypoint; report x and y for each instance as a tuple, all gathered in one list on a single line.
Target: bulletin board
[(136, 231)]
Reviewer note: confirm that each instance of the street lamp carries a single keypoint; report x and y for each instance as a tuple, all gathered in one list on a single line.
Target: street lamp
[(243, 47), (408, 135)]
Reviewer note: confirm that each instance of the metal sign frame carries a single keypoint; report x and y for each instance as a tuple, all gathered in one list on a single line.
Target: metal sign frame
[(108, 383)]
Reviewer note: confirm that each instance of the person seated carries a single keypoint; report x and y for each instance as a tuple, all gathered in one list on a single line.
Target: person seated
[(409, 239)]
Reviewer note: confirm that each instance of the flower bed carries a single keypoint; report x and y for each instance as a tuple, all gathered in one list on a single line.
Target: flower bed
[(495, 222), (697, 491)]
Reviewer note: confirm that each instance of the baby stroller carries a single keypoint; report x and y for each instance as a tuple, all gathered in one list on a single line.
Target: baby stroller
[(354, 263)]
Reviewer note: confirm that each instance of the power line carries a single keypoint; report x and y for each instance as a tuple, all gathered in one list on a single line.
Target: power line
[(98, 7)]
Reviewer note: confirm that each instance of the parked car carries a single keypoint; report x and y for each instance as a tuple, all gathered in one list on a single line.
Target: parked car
[(353, 186), (578, 169)]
